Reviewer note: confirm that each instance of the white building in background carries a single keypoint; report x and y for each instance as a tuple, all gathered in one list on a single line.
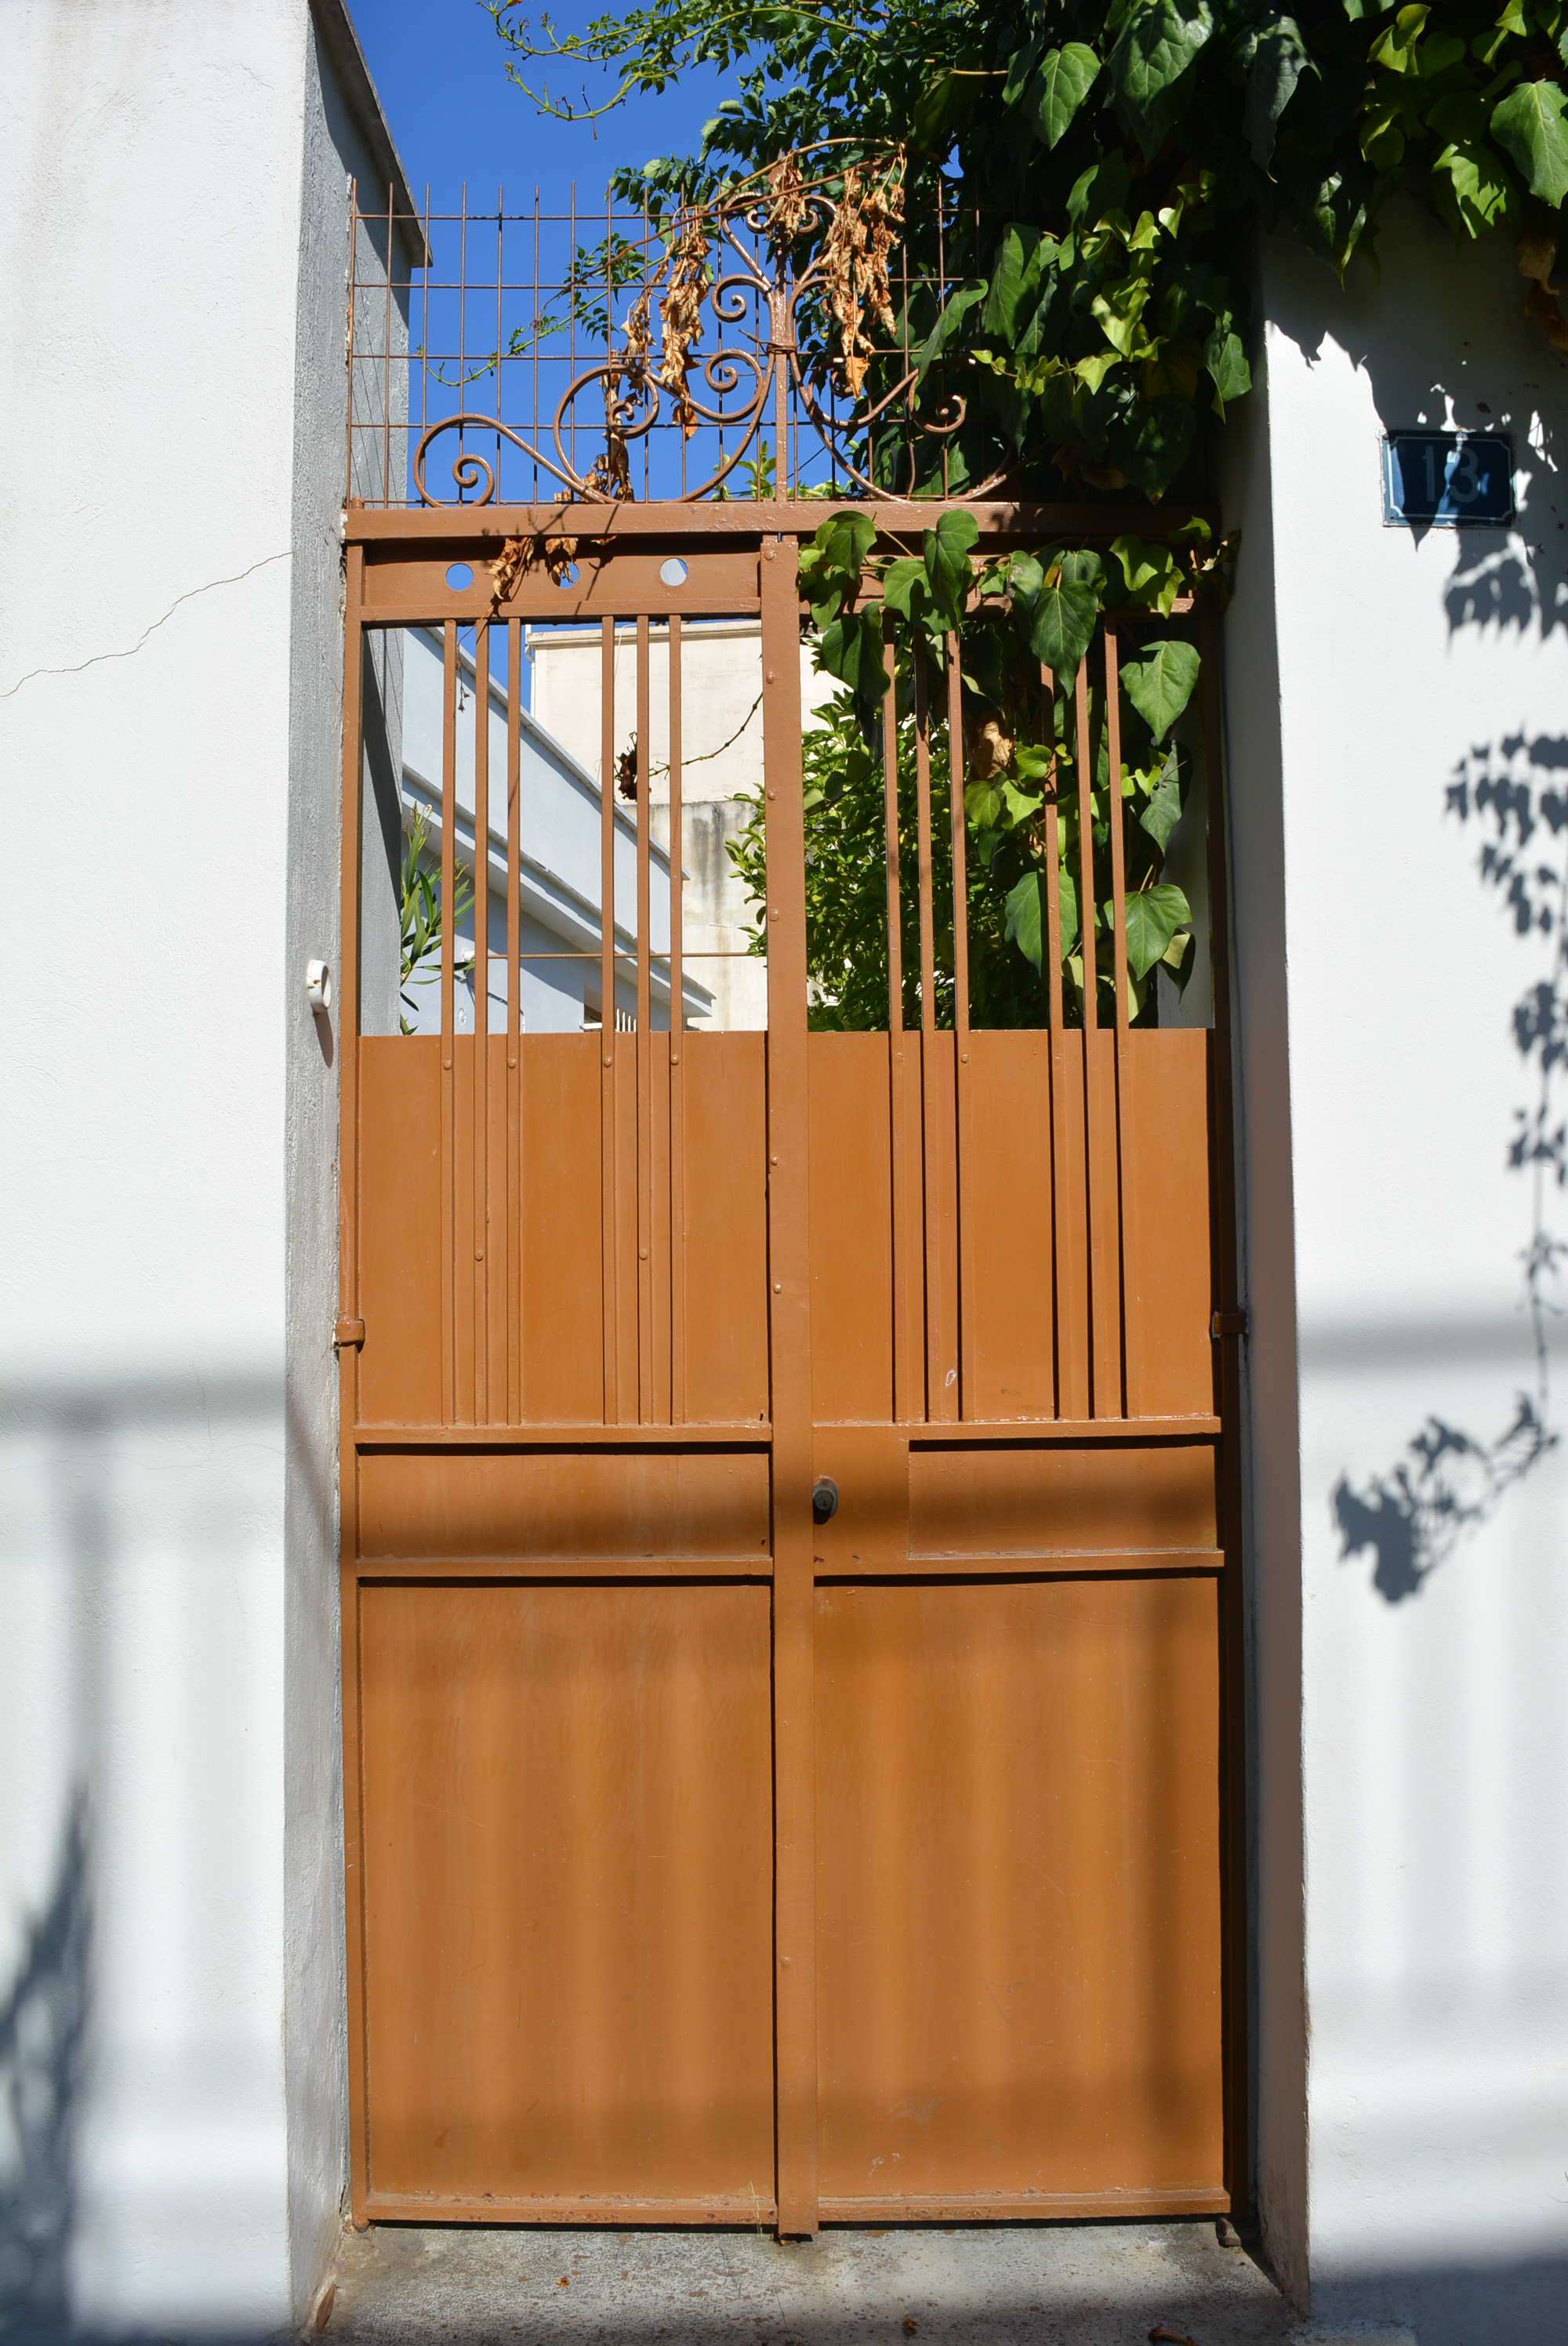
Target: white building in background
[(721, 770), (560, 867)]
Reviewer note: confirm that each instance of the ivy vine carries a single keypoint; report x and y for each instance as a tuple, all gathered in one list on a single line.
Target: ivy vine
[(1080, 189)]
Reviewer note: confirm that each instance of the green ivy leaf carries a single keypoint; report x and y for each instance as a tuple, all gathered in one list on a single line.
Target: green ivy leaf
[(1159, 40), (1163, 812), (982, 806), (948, 321), (905, 586), (851, 648), (1065, 611), (1101, 189), (1025, 576), (1160, 685), (1026, 918), (1529, 125), (1014, 278), (1153, 916), (1226, 363), (1066, 79), (947, 563), (1470, 188), (832, 564), (1278, 61), (1396, 48)]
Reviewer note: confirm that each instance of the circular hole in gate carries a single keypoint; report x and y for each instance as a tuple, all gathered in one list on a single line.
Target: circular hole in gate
[(672, 572), (458, 577), (568, 576)]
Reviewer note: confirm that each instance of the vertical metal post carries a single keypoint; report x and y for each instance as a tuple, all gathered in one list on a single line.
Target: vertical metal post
[(906, 1380), (1127, 1106), (963, 1149), (676, 1051), (1228, 1396), (481, 1023), (513, 1025), (1072, 1315), (1105, 1362), (938, 1398), (448, 1022), (790, 1339), (607, 1169), (644, 1048), (349, 1355)]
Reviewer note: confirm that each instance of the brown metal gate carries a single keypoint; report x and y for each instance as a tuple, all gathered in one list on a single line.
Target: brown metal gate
[(708, 1861)]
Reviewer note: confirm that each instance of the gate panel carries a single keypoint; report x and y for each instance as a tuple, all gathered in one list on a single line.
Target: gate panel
[(561, 1301), (1171, 1189), (709, 1860), (1018, 1871), (722, 1257), (400, 1230), (851, 1228), (568, 1883)]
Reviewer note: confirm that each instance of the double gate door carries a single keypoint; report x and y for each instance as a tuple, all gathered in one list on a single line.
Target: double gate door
[(713, 1857)]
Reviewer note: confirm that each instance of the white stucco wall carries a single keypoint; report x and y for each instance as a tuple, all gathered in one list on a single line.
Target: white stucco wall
[(1410, 1612), (170, 671)]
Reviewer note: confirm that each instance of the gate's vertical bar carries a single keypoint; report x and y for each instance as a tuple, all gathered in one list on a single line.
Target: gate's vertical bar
[(645, 1049), (1126, 1104), (481, 1023), (789, 1342), (676, 1052), (905, 1373), (348, 1368), (963, 1152), (354, 305), (513, 1024), (386, 387), (1072, 1388), (448, 1021), (935, 1347), (607, 1006), (1228, 1379), (1105, 1364)]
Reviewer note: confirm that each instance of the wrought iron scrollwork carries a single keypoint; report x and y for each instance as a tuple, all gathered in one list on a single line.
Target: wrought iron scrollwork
[(728, 387)]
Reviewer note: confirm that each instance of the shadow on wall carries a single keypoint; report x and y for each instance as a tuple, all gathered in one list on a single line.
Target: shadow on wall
[(1517, 578), (43, 2029), (1448, 1482)]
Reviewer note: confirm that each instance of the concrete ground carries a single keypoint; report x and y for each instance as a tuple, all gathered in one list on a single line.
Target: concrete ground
[(1058, 2285)]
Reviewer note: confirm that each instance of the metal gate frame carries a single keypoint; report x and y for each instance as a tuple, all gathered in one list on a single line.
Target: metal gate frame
[(395, 569)]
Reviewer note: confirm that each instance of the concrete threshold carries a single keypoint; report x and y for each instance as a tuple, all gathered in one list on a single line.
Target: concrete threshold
[(1089, 2284)]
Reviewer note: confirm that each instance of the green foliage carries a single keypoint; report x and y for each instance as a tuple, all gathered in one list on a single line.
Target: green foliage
[(1104, 169), (419, 895), (1022, 811)]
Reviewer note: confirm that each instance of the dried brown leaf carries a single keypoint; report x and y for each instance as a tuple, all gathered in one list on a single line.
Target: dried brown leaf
[(1547, 312), (990, 750)]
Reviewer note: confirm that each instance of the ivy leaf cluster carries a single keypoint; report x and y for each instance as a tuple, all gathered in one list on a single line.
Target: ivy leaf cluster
[(1025, 623), (1099, 172)]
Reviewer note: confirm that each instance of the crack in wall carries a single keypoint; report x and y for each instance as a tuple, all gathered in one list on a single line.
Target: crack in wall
[(97, 658)]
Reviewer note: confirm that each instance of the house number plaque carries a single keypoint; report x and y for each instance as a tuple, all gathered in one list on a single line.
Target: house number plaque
[(1450, 480)]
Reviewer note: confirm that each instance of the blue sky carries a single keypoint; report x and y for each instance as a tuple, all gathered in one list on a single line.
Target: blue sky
[(440, 70)]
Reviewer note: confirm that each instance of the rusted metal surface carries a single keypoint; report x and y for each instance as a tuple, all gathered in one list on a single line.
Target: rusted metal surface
[(634, 355), (695, 1847)]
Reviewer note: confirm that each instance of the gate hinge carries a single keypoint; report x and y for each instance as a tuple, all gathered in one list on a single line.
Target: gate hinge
[(348, 1331), (1228, 1323)]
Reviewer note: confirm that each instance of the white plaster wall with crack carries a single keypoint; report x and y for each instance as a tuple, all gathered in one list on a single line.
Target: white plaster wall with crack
[(1398, 762), (152, 596)]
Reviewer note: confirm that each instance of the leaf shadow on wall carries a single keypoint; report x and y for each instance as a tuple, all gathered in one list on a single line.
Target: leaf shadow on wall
[(1448, 1482), (1501, 375), (43, 2030)]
